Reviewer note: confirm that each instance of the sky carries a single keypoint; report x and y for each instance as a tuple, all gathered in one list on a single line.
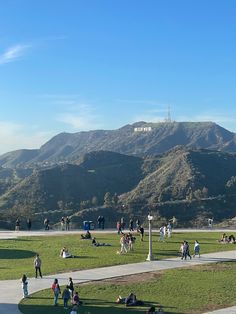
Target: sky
[(79, 65)]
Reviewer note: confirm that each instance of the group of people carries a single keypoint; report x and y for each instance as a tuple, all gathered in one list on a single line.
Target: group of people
[(126, 243), (227, 239), (121, 224), (185, 250), (68, 294), (165, 231), (65, 223)]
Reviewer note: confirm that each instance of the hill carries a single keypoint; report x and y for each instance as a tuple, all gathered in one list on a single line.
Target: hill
[(184, 182), (66, 186), (139, 139)]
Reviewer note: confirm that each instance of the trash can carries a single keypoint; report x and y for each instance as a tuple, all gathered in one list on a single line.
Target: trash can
[(88, 225)]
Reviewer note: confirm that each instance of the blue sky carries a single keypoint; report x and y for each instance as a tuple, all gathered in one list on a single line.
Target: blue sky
[(73, 65)]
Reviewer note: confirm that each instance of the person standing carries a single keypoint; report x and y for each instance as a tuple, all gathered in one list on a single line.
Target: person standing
[(123, 245), (29, 224), (118, 227), (71, 287), (62, 223), (37, 266), (24, 283), (56, 291), (102, 222), (99, 222), (67, 223), (46, 224), (17, 226), (66, 297), (141, 231), (131, 225)]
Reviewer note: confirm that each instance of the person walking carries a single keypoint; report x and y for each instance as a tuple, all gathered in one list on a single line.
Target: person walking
[(37, 266), (196, 249), (186, 250), (56, 291), (24, 284)]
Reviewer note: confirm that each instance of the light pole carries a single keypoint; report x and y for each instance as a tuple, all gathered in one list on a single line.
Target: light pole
[(150, 256)]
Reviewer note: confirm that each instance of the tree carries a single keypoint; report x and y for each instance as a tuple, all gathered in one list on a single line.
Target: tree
[(115, 199), (94, 201), (107, 199), (231, 185)]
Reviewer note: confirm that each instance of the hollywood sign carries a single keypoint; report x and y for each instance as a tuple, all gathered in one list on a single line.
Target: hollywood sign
[(143, 129)]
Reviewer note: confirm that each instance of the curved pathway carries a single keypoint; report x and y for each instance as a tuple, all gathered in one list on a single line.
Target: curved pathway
[(10, 291)]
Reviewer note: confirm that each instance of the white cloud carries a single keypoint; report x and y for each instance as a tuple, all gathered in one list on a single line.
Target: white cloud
[(15, 136), (80, 117), (13, 53)]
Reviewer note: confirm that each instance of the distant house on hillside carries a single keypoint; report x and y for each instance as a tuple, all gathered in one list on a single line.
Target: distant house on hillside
[(143, 129)]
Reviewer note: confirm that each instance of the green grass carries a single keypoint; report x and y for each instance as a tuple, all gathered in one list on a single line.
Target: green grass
[(190, 290), (17, 255)]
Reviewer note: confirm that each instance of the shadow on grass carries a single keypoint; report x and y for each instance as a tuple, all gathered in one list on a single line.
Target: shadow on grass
[(15, 254), (85, 309)]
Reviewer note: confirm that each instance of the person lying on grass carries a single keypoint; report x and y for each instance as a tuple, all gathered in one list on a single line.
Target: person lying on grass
[(131, 300), (95, 243)]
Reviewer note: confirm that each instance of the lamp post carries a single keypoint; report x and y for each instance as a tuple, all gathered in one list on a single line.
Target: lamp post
[(150, 256)]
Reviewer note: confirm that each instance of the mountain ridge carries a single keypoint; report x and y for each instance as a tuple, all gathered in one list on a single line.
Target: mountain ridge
[(131, 139)]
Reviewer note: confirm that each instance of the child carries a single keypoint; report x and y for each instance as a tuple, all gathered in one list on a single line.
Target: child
[(24, 284)]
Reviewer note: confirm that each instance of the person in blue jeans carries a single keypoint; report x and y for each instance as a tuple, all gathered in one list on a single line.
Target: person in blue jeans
[(56, 290), (66, 296)]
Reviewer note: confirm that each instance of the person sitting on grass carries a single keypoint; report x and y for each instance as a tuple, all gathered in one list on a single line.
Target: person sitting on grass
[(231, 238), (75, 300), (65, 253), (87, 235)]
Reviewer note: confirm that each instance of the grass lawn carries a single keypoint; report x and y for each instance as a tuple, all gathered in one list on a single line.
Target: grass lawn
[(17, 255), (190, 290)]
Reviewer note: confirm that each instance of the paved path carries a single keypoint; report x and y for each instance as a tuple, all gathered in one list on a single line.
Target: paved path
[(10, 290)]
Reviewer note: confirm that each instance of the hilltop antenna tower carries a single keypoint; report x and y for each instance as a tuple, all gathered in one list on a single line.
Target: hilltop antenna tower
[(168, 115)]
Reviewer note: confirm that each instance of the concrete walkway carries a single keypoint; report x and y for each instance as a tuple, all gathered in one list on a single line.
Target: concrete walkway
[(11, 292)]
